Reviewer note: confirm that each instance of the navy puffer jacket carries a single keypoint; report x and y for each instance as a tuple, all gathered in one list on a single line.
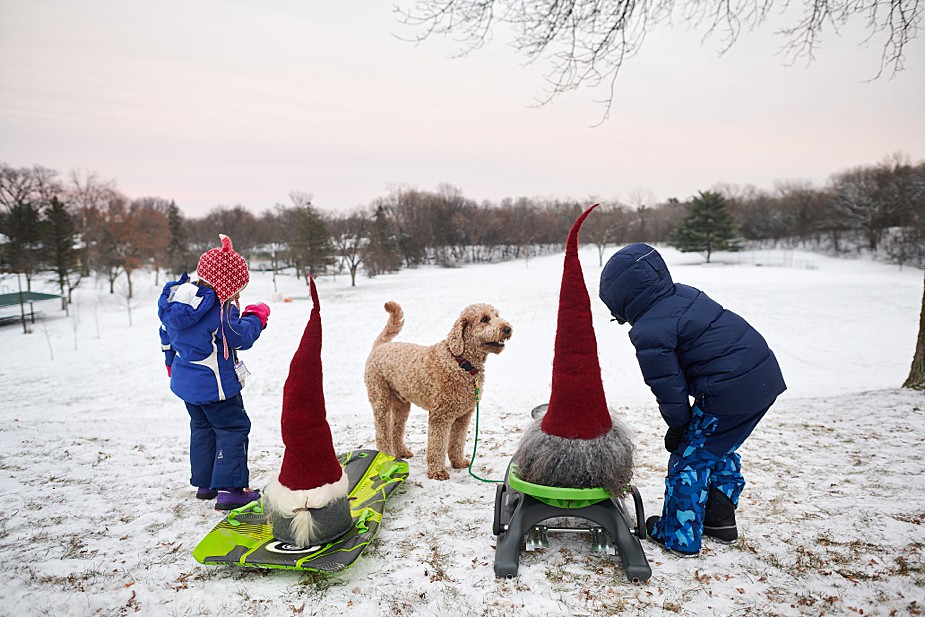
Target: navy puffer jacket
[(688, 345)]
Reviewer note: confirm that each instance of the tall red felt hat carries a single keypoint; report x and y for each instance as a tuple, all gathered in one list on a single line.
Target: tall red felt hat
[(309, 460), (577, 406), (223, 269)]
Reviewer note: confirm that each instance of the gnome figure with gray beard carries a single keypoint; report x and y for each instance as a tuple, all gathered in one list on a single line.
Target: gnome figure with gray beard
[(577, 442), (307, 502)]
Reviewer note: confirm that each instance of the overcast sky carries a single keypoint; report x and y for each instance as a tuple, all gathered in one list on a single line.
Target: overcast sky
[(225, 103)]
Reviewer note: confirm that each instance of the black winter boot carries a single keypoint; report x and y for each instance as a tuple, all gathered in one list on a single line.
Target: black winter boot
[(720, 520)]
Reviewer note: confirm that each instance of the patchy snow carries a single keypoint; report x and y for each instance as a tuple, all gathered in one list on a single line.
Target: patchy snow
[(99, 519)]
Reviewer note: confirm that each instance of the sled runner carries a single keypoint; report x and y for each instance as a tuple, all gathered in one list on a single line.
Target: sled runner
[(520, 506), (245, 536)]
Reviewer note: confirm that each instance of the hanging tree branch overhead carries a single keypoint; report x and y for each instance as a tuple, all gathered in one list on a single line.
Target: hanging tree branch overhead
[(585, 42)]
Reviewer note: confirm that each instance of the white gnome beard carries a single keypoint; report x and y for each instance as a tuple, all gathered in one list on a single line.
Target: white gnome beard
[(550, 460), (296, 506)]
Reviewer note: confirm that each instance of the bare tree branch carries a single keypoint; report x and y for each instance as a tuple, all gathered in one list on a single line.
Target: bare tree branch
[(585, 42)]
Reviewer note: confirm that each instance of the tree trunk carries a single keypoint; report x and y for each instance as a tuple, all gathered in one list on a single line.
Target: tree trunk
[(916, 378), (61, 287), (22, 306), (274, 263)]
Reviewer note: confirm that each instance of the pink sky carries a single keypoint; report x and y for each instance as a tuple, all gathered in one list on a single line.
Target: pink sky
[(229, 103)]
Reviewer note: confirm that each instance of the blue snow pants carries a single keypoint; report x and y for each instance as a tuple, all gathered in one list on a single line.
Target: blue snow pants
[(218, 444), (694, 467)]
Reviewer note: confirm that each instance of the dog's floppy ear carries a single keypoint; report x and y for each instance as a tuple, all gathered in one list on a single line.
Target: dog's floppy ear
[(456, 338)]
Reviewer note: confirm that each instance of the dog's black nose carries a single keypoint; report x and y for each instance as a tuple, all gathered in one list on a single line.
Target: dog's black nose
[(506, 331)]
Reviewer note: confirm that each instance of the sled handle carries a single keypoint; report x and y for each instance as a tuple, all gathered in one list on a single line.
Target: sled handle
[(365, 515), (395, 467), (640, 513), (254, 506)]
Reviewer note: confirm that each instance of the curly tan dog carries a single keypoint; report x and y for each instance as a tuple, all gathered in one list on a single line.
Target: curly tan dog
[(440, 378)]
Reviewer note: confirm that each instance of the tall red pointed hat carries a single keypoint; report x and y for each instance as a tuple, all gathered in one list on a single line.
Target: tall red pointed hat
[(577, 406), (309, 460)]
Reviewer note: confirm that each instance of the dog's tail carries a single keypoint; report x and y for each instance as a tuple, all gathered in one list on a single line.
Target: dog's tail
[(393, 327)]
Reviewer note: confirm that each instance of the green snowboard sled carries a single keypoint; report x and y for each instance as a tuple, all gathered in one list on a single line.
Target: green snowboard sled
[(245, 536)]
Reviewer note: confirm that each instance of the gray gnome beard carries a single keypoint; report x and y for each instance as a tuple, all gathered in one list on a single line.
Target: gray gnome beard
[(605, 461)]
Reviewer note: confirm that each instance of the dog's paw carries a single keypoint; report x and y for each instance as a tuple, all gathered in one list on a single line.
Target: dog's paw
[(439, 474), (459, 463), (405, 453)]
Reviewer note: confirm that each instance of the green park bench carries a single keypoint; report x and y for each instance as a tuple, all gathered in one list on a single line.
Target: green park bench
[(26, 300)]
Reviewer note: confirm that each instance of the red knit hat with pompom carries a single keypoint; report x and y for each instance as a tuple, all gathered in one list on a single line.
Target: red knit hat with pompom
[(223, 269), (577, 407)]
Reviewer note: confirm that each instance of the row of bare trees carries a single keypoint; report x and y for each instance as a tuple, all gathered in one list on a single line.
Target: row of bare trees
[(878, 209), (74, 226)]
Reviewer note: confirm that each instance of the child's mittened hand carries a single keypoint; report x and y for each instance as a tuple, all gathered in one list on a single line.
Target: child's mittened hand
[(168, 369), (673, 437), (261, 310)]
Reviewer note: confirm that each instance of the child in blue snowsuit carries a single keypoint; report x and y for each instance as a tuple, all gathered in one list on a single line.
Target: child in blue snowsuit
[(201, 332), (690, 347)]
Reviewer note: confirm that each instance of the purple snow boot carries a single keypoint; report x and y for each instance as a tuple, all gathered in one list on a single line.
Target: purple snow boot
[(205, 492), (235, 498)]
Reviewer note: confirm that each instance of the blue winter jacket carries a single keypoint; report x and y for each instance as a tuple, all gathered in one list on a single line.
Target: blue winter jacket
[(191, 338), (688, 345)]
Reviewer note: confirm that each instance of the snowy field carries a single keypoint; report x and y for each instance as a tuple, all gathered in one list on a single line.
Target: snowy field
[(98, 517)]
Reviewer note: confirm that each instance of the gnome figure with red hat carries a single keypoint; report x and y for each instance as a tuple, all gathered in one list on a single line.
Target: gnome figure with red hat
[(308, 500), (577, 443)]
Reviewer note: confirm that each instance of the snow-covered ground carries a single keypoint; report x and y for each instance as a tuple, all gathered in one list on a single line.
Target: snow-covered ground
[(98, 517)]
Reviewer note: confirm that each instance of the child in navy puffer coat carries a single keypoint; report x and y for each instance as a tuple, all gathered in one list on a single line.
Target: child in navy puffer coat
[(201, 333), (690, 347)]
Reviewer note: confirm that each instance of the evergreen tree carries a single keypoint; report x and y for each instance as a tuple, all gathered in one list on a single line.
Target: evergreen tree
[(22, 194), (310, 242), (707, 228), (59, 238), (177, 250), (21, 224), (381, 254)]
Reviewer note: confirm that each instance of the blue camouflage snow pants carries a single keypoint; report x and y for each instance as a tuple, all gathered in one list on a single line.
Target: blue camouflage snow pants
[(692, 469)]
